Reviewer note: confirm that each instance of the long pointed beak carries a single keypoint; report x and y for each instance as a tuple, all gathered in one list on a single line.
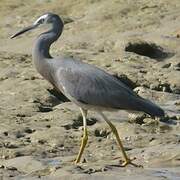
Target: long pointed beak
[(24, 30)]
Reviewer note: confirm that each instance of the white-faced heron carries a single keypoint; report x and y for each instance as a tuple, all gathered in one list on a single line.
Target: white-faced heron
[(87, 86)]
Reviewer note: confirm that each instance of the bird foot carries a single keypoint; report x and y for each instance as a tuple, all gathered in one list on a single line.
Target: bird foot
[(75, 161), (129, 161)]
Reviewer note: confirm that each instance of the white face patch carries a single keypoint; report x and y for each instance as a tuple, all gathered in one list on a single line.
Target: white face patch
[(42, 17)]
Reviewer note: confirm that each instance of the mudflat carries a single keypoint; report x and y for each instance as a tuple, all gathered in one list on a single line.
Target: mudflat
[(138, 42)]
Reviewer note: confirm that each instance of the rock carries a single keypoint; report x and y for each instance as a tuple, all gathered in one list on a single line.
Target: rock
[(6, 133), (101, 133), (42, 141), (19, 134), (29, 130), (79, 122), (11, 145), (166, 65), (137, 118), (164, 128), (150, 122), (45, 109)]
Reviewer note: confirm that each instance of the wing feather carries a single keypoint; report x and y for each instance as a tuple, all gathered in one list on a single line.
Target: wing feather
[(93, 86)]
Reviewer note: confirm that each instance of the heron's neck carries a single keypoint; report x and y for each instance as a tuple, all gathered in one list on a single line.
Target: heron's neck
[(44, 41), (42, 46)]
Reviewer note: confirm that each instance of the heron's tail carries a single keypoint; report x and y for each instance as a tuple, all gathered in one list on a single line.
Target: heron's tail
[(149, 108)]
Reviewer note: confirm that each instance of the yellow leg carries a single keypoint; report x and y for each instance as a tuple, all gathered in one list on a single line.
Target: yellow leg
[(115, 132), (85, 136)]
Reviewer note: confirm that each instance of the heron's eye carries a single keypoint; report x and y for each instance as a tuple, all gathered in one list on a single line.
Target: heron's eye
[(42, 20)]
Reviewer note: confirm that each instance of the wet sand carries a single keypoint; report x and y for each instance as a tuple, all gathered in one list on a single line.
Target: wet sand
[(138, 42)]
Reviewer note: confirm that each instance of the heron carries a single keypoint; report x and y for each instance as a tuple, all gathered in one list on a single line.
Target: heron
[(86, 85)]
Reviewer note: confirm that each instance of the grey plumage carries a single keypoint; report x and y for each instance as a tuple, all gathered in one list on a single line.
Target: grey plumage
[(86, 85), (81, 82), (93, 86)]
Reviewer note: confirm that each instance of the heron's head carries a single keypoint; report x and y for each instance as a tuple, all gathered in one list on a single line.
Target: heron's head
[(48, 18)]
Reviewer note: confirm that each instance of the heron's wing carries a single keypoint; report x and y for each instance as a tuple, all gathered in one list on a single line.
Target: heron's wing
[(93, 86)]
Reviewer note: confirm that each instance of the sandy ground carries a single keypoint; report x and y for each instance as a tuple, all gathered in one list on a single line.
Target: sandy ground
[(138, 41)]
